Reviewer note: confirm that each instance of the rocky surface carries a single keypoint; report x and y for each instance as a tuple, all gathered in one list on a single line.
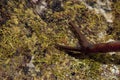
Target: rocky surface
[(30, 29)]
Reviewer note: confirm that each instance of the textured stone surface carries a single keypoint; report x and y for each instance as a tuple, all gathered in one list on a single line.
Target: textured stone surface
[(27, 39)]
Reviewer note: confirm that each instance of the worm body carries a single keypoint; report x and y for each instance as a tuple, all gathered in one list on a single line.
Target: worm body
[(105, 47), (85, 45)]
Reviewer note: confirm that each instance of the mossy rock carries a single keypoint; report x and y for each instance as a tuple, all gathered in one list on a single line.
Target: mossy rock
[(29, 39)]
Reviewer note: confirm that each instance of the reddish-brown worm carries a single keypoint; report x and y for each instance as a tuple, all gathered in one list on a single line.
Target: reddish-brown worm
[(86, 47)]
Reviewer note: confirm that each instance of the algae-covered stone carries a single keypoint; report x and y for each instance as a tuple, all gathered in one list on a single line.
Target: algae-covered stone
[(28, 38)]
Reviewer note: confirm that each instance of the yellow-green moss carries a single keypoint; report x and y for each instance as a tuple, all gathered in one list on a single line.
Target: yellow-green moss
[(116, 13), (26, 33)]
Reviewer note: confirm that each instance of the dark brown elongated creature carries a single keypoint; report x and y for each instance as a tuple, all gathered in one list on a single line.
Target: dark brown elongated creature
[(87, 47)]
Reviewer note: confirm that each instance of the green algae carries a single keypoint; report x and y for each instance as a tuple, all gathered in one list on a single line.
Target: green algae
[(116, 13), (28, 34)]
